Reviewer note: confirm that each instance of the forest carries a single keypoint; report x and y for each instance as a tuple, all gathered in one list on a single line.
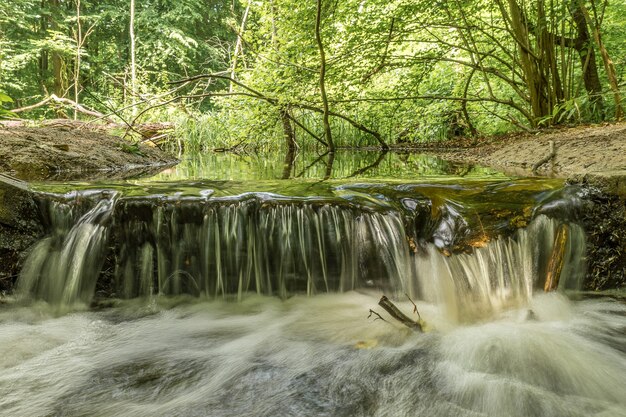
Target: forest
[(359, 208), (284, 73)]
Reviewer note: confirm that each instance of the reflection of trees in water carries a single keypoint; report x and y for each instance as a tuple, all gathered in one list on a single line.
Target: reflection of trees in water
[(300, 163), (371, 166)]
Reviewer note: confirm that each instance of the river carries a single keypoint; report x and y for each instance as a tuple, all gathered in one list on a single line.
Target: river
[(139, 303)]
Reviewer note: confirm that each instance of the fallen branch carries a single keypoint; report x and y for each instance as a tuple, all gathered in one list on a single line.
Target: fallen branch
[(415, 311), (548, 157), (61, 100), (399, 315)]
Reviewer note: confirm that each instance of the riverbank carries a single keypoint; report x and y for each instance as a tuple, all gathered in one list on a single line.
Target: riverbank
[(64, 153), (594, 155)]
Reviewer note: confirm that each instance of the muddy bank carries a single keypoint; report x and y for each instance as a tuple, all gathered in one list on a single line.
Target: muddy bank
[(594, 155), (62, 153)]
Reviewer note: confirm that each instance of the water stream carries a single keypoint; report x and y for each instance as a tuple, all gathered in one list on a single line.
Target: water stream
[(219, 297)]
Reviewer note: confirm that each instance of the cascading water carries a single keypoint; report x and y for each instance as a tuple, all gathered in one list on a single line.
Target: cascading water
[(499, 275), (63, 267), (269, 244), (474, 258)]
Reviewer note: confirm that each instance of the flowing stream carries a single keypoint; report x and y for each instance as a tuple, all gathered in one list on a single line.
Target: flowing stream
[(227, 298)]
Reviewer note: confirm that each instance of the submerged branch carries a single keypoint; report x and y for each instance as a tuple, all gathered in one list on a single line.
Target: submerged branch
[(379, 317)]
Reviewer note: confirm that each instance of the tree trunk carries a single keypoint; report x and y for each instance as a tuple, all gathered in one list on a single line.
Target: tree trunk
[(320, 45), (609, 67), (57, 59), (528, 61), (290, 143), (239, 46), (586, 52), (79, 42)]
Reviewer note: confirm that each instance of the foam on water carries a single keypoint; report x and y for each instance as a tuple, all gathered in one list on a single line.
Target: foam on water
[(299, 357)]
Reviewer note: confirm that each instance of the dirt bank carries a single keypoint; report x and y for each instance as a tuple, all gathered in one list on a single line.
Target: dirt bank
[(63, 153), (584, 154)]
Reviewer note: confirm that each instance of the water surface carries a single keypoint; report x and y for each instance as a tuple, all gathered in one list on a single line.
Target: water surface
[(316, 356)]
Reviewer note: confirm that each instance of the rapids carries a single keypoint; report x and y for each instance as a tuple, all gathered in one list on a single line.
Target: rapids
[(209, 297), (312, 356)]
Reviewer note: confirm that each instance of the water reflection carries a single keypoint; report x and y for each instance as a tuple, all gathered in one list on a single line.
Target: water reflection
[(310, 165)]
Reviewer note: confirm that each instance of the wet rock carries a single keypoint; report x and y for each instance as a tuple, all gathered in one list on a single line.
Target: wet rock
[(605, 225), (20, 227)]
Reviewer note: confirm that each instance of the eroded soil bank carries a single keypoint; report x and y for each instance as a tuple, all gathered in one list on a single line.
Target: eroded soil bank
[(584, 154), (49, 153), (75, 154), (592, 156)]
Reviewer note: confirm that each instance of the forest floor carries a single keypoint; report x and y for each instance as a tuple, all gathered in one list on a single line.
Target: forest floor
[(61, 153)]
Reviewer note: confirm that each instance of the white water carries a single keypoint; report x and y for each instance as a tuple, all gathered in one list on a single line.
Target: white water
[(299, 357)]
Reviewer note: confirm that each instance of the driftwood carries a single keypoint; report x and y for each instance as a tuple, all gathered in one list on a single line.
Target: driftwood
[(557, 259), (60, 100), (395, 312)]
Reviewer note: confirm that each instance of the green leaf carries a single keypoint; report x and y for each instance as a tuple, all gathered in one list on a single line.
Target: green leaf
[(5, 99)]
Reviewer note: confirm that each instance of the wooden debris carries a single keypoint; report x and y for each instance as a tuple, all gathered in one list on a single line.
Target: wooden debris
[(557, 259), (378, 316), (399, 315)]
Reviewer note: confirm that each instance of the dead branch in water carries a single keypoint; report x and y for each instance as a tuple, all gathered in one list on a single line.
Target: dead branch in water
[(395, 312), (415, 311), (377, 318)]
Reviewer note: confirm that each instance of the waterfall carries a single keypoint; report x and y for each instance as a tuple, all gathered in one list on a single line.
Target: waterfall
[(63, 267), (226, 247), (221, 247), (501, 274)]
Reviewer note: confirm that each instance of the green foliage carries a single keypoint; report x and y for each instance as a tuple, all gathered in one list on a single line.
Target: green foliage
[(3, 111), (412, 71), (132, 148)]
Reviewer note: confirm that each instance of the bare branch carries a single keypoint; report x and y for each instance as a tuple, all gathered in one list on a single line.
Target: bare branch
[(379, 317), (414, 307)]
